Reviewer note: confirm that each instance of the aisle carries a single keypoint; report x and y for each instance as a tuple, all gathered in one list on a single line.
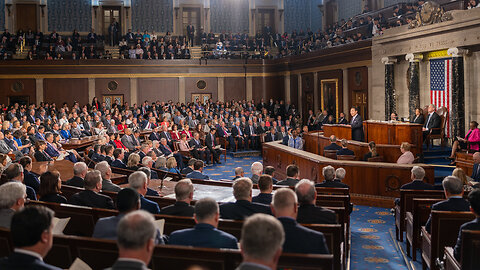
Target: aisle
[(226, 170)]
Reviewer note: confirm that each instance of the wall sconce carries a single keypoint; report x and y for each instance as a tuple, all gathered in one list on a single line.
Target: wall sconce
[(42, 7), (8, 9), (95, 10), (280, 11)]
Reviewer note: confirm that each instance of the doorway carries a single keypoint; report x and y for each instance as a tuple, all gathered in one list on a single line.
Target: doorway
[(191, 15), (111, 13), (111, 99), (358, 89), (201, 97), (331, 15), (21, 100), (26, 17), (265, 17)]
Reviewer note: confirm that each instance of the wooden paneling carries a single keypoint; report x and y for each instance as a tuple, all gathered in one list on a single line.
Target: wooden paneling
[(235, 88), (65, 90), (275, 88), (258, 86), (29, 89), (358, 89), (101, 88), (308, 100), (26, 17), (191, 88), (157, 89), (327, 75), (294, 89)]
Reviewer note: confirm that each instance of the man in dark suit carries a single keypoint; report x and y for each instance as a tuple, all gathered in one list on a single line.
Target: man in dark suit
[(453, 188), (14, 172), (329, 175), (32, 237), (333, 144), (205, 233), (80, 169), (433, 121), (341, 119), (198, 150), (308, 212), (243, 207), (357, 125), (90, 196), (191, 34), (251, 135), (261, 244), (474, 225), (239, 135), (15, 191), (210, 142), (265, 185), (476, 167), (189, 168), (167, 136), (167, 151), (345, 151), (119, 155), (418, 173), (154, 136), (239, 173), (292, 176), (29, 178), (257, 170), (136, 241), (139, 182), (271, 136), (418, 118), (298, 239), (198, 171), (184, 196)]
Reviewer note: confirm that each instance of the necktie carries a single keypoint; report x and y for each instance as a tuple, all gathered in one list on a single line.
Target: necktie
[(213, 142), (428, 120), (353, 119), (251, 130)]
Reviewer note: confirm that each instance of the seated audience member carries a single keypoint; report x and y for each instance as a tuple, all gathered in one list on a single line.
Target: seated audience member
[(32, 236), (333, 144), (474, 225), (161, 164), (473, 136), (213, 148), (40, 154), (80, 169), (106, 171), (295, 141), (12, 199), (118, 155), (198, 171), (148, 173), (172, 165), (167, 151), (109, 154), (272, 135), (261, 243), (30, 179), (372, 151), (407, 156), (476, 167), (183, 196), (136, 234), (90, 196), (345, 151), (329, 175), (243, 207), (460, 173), (205, 232), (298, 239), (133, 161), (14, 172), (139, 182), (257, 170), (453, 188), (265, 185), (195, 147), (239, 173), (189, 168), (148, 163), (292, 176), (270, 170), (50, 187), (339, 176), (433, 121), (418, 118), (308, 212), (417, 175)]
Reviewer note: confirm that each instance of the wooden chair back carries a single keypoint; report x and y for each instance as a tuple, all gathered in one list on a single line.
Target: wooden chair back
[(375, 159), (330, 154), (346, 157), (470, 247)]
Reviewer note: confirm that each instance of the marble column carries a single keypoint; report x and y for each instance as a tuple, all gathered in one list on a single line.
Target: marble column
[(413, 82), (316, 97), (390, 97), (221, 88), (91, 90), (181, 90), (39, 90), (300, 95), (287, 87), (457, 112), (249, 90)]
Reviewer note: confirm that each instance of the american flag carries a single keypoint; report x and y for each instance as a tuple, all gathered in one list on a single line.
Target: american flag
[(441, 85)]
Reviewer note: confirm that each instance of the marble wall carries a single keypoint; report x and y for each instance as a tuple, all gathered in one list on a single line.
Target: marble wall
[(228, 15), (302, 14), (2, 14), (152, 15), (393, 2), (69, 15), (348, 8)]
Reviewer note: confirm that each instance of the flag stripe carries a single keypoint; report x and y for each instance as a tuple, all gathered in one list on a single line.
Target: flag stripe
[(441, 86)]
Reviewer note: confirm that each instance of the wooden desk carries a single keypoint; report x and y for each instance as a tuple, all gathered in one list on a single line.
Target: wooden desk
[(386, 132), (369, 178), (464, 161), (340, 131), (80, 143)]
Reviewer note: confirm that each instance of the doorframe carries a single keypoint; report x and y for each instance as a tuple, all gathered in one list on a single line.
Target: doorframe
[(11, 21), (276, 19), (178, 18), (102, 22)]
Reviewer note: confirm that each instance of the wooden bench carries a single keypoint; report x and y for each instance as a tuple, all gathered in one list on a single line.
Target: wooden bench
[(470, 247), (415, 220), (405, 205), (444, 232)]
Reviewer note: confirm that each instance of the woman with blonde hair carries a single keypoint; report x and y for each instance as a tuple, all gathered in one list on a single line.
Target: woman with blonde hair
[(172, 165), (133, 160), (407, 156), (460, 173)]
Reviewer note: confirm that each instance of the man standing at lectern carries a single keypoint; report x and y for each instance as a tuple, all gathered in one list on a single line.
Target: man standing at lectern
[(357, 125)]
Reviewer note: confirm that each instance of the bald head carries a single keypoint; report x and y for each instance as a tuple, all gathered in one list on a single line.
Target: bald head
[(257, 168), (306, 192), (285, 203)]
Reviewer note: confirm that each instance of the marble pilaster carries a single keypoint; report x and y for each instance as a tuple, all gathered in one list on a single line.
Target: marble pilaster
[(413, 82), (390, 97)]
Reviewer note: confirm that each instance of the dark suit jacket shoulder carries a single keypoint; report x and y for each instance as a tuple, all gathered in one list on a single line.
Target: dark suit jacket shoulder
[(334, 184), (242, 209), (197, 175), (19, 261), (299, 239), (31, 180), (263, 198), (203, 235), (91, 199), (54, 198), (311, 214), (417, 185), (345, 152), (473, 225), (288, 182), (149, 205), (75, 181), (332, 146), (452, 204), (178, 209), (106, 228)]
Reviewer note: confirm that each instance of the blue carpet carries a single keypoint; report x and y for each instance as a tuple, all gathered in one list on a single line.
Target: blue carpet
[(226, 170)]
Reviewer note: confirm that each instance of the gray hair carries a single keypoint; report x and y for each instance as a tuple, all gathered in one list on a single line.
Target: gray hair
[(10, 192), (257, 168), (135, 230), (137, 179), (262, 237), (183, 189), (305, 191), (79, 168), (205, 208), (340, 173), (418, 172), (146, 160), (453, 185), (284, 198), (242, 188), (161, 162), (104, 168), (238, 171), (146, 170), (328, 172), (92, 179)]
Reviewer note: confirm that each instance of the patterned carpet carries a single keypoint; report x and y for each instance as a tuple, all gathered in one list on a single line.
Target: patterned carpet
[(226, 170)]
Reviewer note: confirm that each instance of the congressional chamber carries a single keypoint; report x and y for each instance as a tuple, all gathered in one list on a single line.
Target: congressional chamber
[(239, 134)]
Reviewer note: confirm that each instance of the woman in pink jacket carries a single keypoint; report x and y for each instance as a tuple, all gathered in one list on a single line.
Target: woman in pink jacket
[(473, 135)]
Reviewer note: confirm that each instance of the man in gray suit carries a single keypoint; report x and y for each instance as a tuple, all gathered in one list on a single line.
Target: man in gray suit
[(261, 244), (136, 241), (5, 149), (257, 170), (127, 140), (106, 172), (12, 199)]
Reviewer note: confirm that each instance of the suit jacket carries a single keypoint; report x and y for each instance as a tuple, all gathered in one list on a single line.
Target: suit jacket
[(345, 152), (342, 121), (106, 228), (75, 181), (97, 157), (209, 142), (128, 265), (31, 180), (42, 156), (357, 129), (288, 182), (452, 204), (151, 192), (332, 146), (128, 142), (91, 199), (181, 209), (242, 209), (6, 217), (118, 164), (418, 119), (334, 184), (434, 122), (250, 266), (311, 214), (107, 185), (473, 225), (203, 235), (197, 175), (186, 170), (21, 261), (108, 159), (4, 148), (54, 198), (299, 239), (255, 178), (154, 136), (417, 185), (263, 198), (165, 150), (270, 138), (149, 206), (476, 173)]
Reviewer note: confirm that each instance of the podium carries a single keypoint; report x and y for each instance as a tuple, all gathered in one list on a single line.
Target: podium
[(340, 131), (387, 132)]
